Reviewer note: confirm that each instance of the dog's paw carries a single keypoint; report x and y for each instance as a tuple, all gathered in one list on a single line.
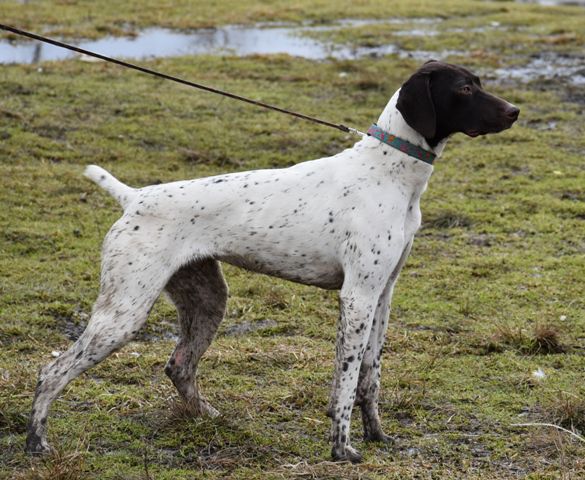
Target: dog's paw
[(347, 454), (207, 410), (378, 437), (35, 445), (195, 407)]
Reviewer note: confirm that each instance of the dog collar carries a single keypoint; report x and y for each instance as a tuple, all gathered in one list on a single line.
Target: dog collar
[(400, 144)]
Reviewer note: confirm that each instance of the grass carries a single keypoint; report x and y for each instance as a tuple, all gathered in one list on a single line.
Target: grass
[(544, 339), (83, 18), (492, 290)]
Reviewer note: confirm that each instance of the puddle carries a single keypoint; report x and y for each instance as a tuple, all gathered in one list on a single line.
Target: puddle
[(424, 55), (263, 39), (281, 38), (555, 3), (244, 328), (240, 40), (547, 66)]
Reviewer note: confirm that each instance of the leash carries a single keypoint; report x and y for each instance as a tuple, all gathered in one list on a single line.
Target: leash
[(132, 66)]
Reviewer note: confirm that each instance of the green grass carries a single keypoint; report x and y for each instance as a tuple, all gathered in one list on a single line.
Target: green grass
[(93, 19), (496, 271)]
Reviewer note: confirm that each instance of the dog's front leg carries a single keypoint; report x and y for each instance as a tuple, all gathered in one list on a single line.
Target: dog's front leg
[(357, 307), (368, 389)]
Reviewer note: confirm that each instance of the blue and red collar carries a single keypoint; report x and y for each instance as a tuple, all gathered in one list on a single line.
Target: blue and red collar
[(403, 145)]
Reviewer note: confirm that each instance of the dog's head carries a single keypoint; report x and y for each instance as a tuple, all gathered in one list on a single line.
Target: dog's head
[(441, 99)]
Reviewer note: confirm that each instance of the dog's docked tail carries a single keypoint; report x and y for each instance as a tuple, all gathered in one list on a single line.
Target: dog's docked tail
[(121, 192)]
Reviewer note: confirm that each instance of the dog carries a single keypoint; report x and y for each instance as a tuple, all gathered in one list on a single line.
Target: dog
[(345, 222)]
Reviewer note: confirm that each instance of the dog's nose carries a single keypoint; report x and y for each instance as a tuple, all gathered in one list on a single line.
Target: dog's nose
[(512, 113)]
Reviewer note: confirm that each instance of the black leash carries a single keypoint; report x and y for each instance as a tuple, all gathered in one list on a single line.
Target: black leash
[(34, 36)]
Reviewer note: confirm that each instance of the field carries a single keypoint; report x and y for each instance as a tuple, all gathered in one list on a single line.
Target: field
[(492, 292)]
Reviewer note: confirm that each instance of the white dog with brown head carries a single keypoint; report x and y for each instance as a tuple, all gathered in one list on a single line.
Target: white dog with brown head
[(345, 222)]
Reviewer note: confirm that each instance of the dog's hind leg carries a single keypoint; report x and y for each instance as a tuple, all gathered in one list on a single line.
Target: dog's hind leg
[(132, 279), (199, 292)]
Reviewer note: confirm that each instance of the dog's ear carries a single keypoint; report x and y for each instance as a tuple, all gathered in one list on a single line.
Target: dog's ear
[(415, 103)]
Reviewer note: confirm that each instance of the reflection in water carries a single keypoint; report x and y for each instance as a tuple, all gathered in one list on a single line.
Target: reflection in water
[(555, 3), (233, 40), (286, 39), (547, 66), (37, 53)]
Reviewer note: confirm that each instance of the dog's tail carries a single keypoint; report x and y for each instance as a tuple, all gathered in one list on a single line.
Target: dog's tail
[(121, 192)]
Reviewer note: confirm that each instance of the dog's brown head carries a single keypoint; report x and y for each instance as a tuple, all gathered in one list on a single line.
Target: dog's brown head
[(441, 99)]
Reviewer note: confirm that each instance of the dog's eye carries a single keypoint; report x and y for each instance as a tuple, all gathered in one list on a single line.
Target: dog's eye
[(465, 90)]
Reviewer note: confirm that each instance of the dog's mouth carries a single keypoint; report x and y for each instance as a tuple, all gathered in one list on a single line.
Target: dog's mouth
[(473, 132), (502, 121), (477, 133)]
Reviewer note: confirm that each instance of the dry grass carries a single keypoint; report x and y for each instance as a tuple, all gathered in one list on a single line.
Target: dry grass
[(59, 465), (543, 339), (546, 339), (332, 471), (565, 409), (556, 449), (181, 411)]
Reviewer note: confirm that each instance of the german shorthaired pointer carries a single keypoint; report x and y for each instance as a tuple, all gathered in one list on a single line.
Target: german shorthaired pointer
[(345, 222)]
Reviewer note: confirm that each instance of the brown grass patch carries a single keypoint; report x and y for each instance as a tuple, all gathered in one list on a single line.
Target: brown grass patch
[(58, 465), (565, 409), (544, 339)]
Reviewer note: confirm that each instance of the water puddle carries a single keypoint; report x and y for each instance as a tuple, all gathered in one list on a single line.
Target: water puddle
[(555, 3), (263, 39), (294, 40), (239, 40), (547, 66), (243, 328)]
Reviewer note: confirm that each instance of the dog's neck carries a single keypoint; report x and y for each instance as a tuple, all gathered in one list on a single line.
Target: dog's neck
[(392, 121)]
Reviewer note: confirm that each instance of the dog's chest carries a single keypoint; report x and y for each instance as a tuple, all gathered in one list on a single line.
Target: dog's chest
[(412, 219)]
